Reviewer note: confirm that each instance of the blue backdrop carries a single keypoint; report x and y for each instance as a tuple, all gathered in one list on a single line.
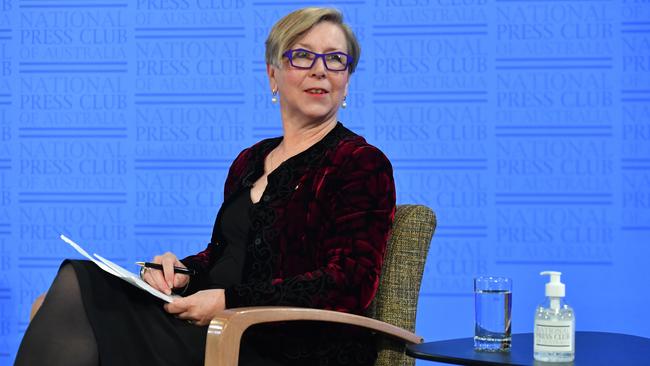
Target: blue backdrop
[(523, 124)]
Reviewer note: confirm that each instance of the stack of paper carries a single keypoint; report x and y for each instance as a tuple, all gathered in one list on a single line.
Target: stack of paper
[(119, 271)]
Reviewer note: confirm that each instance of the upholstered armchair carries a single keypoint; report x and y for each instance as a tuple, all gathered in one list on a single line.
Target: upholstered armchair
[(392, 313)]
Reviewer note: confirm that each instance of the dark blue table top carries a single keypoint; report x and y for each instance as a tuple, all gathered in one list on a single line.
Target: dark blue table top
[(592, 349)]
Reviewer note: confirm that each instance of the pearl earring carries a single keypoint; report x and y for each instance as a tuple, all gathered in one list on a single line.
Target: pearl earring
[(344, 104), (274, 98)]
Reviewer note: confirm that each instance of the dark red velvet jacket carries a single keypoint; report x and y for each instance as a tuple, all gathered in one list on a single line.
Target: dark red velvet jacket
[(319, 232)]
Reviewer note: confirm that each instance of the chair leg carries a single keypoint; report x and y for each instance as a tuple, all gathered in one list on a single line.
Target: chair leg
[(36, 305)]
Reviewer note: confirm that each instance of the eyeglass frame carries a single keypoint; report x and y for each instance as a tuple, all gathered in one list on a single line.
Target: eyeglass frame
[(317, 55)]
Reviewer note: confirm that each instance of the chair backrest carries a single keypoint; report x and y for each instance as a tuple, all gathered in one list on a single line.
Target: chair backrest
[(399, 287)]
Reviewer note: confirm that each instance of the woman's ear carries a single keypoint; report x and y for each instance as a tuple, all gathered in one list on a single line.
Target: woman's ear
[(270, 71)]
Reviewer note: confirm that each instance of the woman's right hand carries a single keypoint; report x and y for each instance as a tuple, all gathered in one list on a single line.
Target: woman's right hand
[(166, 280)]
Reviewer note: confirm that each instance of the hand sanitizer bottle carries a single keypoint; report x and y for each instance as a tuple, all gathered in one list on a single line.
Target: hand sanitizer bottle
[(554, 325)]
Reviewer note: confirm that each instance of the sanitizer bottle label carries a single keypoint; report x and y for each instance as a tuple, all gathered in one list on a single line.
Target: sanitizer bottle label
[(553, 336)]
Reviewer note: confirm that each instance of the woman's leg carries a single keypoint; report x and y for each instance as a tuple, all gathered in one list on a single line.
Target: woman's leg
[(36, 305), (60, 333)]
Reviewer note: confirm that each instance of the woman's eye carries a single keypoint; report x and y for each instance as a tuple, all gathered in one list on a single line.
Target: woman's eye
[(301, 54), (334, 57)]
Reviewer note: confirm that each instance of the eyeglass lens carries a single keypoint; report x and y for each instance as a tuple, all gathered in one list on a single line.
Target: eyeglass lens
[(306, 59)]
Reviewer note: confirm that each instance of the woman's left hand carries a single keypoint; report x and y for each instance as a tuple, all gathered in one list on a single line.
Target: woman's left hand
[(198, 308)]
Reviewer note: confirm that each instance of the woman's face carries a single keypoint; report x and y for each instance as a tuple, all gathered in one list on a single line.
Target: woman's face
[(312, 95)]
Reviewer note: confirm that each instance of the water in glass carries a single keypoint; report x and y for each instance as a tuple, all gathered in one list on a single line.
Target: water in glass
[(493, 317)]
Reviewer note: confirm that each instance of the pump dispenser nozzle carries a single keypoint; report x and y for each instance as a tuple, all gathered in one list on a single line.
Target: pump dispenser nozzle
[(554, 288)]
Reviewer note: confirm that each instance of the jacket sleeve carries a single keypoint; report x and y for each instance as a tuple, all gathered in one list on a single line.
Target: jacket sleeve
[(360, 200)]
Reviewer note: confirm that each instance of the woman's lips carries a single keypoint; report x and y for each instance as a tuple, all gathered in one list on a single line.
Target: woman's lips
[(316, 91)]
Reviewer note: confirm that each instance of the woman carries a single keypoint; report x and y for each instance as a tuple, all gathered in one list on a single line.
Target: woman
[(305, 221)]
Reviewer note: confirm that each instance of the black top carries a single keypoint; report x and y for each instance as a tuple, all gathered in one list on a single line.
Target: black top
[(234, 225)]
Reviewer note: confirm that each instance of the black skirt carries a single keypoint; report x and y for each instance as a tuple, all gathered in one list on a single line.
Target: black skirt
[(132, 328)]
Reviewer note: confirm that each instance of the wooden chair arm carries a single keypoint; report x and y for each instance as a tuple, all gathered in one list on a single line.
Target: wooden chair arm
[(226, 329)]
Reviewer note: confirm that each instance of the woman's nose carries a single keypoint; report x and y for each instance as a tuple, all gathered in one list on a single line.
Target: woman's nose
[(318, 70)]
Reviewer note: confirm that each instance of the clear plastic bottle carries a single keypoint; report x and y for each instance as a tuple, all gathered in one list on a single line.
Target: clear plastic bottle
[(554, 325)]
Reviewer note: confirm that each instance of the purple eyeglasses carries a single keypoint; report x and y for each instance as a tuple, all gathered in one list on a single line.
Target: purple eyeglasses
[(305, 59)]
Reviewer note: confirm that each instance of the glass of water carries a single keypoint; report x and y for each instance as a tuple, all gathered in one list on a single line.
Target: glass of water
[(493, 310)]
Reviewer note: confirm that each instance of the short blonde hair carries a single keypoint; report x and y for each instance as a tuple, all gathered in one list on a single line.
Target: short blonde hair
[(292, 26)]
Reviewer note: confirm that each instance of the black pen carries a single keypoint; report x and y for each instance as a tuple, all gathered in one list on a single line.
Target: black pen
[(181, 270)]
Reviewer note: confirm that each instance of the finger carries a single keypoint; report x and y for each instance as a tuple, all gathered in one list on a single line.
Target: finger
[(158, 277), (158, 280), (146, 277), (180, 280), (172, 309), (168, 261), (176, 307), (192, 318), (186, 317)]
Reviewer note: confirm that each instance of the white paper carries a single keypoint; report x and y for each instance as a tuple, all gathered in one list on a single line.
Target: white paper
[(118, 271)]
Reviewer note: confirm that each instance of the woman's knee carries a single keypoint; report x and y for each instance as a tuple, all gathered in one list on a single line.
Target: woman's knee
[(36, 305), (65, 279)]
